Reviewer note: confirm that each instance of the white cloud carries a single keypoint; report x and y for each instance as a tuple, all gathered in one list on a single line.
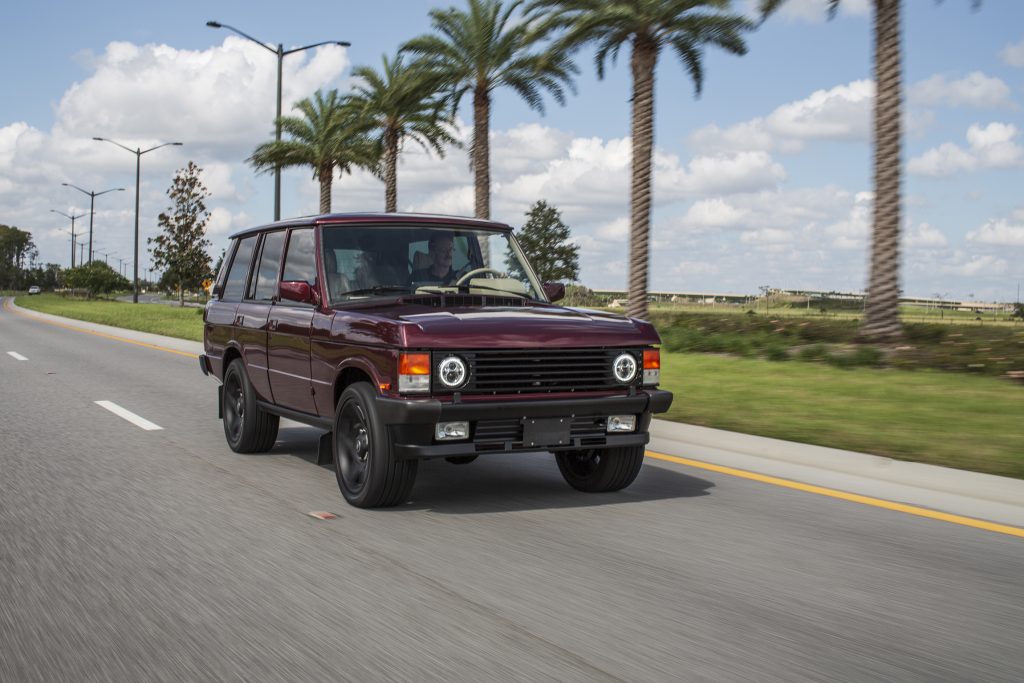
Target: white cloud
[(991, 146), (974, 90), (767, 236), (925, 236), (1013, 54), (975, 266), (840, 113), (714, 213), (999, 232)]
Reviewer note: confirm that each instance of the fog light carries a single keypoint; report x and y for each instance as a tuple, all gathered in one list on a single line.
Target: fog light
[(451, 431), (621, 423)]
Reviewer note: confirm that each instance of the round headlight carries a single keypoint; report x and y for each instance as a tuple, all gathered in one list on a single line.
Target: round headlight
[(452, 372), (625, 368)]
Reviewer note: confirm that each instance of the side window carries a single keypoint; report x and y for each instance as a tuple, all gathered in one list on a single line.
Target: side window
[(270, 260), (235, 285), (300, 262)]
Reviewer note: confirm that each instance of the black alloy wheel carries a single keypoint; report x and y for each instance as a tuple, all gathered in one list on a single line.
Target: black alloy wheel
[(247, 427)]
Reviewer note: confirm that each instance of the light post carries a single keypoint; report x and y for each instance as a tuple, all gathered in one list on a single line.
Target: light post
[(92, 211), (73, 219), (281, 53), (138, 152)]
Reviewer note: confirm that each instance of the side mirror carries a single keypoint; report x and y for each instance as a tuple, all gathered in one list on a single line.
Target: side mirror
[(297, 290), (555, 291)]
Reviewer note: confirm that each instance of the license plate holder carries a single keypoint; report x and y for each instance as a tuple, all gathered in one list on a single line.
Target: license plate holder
[(546, 431)]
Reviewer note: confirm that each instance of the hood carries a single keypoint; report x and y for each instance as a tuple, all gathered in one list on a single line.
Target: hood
[(549, 326)]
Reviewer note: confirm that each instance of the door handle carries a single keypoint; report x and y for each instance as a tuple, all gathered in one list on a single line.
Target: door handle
[(239, 319), (272, 325)]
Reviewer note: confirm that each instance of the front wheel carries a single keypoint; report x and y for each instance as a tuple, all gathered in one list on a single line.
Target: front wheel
[(369, 475), (596, 471)]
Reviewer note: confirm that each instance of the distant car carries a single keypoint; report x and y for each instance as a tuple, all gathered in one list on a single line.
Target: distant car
[(34, 289)]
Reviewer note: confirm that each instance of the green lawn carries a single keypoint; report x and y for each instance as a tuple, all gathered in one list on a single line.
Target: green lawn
[(961, 421), (173, 321), (958, 420)]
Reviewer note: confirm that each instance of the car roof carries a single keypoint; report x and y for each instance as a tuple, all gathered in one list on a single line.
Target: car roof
[(364, 219)]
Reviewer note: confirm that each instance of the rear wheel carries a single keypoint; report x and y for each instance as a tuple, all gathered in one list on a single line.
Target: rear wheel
[(369, 475), (595, 471), (247, 427)]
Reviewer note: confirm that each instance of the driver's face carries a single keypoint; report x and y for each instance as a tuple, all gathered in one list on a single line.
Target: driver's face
[(442, 253)]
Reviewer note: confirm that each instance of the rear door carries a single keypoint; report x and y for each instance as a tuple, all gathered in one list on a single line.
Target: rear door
[(288, 329), (220, 312), (252, 314)]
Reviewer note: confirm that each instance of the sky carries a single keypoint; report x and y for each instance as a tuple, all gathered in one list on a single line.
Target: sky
[(764, 179)]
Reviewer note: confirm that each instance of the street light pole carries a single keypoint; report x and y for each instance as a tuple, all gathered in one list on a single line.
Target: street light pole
[(92, 201), (138, 152), (73, 218), (281, 54)]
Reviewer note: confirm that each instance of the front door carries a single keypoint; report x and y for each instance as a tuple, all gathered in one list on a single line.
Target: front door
[(288, 330)]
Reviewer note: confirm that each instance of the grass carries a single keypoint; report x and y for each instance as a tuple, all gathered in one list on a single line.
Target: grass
[(990, 349), (943, 418), (926, 416), (184, 323)]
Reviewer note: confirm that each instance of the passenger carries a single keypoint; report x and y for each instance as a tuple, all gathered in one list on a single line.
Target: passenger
[(337, 283)]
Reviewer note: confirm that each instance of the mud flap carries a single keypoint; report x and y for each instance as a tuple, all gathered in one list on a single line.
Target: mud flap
[(324, 453), (220, 401)]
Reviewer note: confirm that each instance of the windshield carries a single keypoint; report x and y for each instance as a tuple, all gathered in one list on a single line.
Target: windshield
[(360, 262)]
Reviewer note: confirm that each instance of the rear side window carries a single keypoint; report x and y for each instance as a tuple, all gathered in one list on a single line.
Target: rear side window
[(235, 285), (300, 263), (270, 260)]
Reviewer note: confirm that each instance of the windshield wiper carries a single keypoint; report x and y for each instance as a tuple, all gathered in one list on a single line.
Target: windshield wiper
[(468, 287), (377, 289)]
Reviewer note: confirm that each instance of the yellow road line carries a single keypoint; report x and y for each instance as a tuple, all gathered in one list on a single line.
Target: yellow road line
[(7, 307), (843, 495)]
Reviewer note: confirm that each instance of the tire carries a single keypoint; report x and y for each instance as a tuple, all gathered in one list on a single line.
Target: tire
[(461, 459), (247, 427), (369, 475), (596, 471)]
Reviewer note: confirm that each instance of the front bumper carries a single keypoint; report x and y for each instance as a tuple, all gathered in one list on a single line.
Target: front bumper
[(411, 422)]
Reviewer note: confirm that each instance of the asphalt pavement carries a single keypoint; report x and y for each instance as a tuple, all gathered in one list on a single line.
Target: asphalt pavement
[(132, 553)]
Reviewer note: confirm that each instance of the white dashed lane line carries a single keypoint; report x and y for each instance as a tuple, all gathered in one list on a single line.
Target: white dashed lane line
[(140, 422), (16, 356)]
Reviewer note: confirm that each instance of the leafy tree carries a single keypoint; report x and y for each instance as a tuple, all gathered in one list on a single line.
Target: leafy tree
[(16, 249), (685, 26), (325, 137), (402, 102), (180, 249), (545, 241), (882, 312), (481, 49), (48, 276), (96, 278)]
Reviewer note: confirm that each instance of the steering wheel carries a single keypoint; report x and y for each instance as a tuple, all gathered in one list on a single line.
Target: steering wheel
[(476, 271)]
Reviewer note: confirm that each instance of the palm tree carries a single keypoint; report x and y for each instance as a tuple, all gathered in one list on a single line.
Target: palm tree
[(482, 49), (882, 310), (400, 103), (325, 137), (648, 26)]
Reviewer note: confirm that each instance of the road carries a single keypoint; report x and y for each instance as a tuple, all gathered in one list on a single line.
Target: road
[(135, 554)]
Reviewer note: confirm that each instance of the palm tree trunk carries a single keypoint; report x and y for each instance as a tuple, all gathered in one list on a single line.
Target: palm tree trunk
[(482, 151), (390, 170), (882, 312), (642, 61), (326, 176)]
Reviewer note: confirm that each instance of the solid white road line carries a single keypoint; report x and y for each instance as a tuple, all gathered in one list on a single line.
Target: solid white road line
[(16, 356), (128, 415)]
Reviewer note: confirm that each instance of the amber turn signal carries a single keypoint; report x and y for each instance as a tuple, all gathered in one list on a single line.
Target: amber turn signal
[(414, 364), (652, 359)]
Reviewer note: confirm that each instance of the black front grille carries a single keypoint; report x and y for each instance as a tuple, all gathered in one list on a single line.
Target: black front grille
[(519, 371)]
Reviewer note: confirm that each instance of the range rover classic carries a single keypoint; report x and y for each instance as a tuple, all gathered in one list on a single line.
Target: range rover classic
[(411, 337)]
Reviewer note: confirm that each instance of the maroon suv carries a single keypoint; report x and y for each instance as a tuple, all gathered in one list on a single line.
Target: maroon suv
[(411, 337)]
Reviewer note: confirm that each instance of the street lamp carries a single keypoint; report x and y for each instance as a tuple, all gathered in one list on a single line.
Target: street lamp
[(92, 200), (73, 219), (138, 152), (281, 53)]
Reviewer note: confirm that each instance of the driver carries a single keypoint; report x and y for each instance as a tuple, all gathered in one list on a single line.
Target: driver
[(440, 248)]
